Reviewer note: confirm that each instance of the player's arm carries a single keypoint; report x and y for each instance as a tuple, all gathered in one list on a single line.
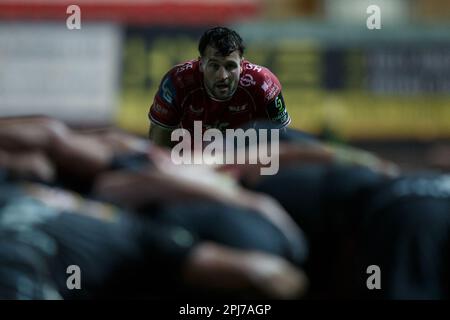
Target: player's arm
[(160, 135), (277, 112), (270, 93), (164, 114)]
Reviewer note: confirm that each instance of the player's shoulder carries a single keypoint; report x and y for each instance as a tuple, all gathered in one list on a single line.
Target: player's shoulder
[(257, 71), (180, 79), (185, 68), (185, 74), (259, 79)]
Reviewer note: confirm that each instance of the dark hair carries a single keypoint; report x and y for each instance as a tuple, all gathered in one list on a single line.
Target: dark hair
[(223, 39)]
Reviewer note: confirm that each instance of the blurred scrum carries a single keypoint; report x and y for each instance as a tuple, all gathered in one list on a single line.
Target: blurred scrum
[(337, 75)]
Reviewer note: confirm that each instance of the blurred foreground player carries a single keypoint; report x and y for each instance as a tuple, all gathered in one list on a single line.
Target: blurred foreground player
[(45, 230), (355, 217)]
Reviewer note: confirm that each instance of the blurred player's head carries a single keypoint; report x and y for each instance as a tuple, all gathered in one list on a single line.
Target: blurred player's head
[(221, 51)]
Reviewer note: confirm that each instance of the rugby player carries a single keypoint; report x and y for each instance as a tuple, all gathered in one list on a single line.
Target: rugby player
[(221, 89)]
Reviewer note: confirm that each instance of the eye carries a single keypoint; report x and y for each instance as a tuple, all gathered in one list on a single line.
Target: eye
[(231, 66), (214, 66)]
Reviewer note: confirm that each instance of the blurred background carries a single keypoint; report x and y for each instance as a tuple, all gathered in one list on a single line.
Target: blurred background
[(385, 90)]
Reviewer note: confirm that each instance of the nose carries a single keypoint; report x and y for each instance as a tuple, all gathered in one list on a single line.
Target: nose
[(222, 73)]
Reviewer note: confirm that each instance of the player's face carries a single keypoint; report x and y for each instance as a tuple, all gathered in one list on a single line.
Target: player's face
[(221, 73)]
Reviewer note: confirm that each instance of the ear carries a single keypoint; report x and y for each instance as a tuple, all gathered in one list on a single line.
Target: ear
[(201, 64)]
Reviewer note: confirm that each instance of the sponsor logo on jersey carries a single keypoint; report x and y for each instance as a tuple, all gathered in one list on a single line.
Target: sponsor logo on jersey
[(247, 80), (238, 108), (159, 108), (267, 83), (272, 91), (184, 67), (254, 67), (167, 91), (277, 110), (265, 86), (270, 88), (281, 118), (279, 103)]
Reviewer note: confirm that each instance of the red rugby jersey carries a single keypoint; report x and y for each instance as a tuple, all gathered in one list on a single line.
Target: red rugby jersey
[(182, 99)]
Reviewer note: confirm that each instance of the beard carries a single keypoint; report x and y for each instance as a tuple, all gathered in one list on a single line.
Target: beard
[(221, 91)]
